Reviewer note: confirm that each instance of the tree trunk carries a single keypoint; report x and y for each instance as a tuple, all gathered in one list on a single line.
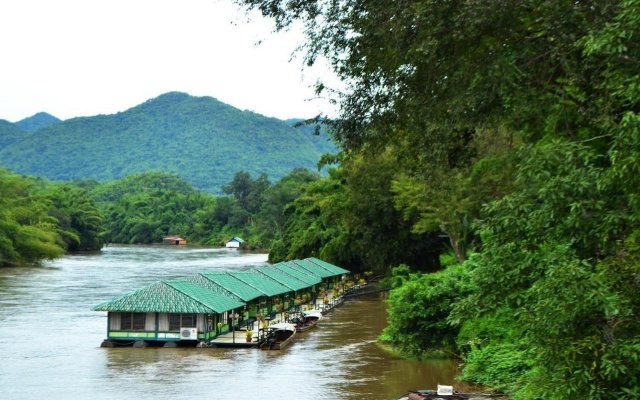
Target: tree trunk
[(456, 244)]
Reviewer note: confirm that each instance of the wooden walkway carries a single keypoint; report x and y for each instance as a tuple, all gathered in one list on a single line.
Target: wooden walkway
[(362, 290), (237, 338), (234, 339)]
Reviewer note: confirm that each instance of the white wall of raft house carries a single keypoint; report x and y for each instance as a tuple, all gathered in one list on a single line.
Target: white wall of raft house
[(115, 322)]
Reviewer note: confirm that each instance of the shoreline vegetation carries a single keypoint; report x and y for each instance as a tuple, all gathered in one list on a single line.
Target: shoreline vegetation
[(44, 220), (489, 168)]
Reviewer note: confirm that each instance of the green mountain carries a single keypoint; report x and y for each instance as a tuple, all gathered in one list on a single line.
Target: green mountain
[(199, 139), (10, 133), (37, 121)]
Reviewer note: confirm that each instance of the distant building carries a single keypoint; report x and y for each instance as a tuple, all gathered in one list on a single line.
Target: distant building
[(175, 240), (234, 243)]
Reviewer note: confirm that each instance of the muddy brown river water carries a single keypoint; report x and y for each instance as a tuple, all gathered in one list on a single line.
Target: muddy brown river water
[(49, 340)]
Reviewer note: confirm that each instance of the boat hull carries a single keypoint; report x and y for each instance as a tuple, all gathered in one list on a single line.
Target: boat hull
[(279, 340), (310, 323)]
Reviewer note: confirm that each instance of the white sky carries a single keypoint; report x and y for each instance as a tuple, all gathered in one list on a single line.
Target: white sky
[(87, 57)]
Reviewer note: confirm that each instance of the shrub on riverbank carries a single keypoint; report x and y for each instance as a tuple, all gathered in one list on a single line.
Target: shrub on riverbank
[(494, 351), (419, 311)]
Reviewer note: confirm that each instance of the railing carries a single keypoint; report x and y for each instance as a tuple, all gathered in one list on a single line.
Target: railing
[(361, 290), (247, 324)]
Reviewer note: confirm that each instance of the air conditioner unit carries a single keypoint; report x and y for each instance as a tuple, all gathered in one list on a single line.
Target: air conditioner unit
[(188, 333)]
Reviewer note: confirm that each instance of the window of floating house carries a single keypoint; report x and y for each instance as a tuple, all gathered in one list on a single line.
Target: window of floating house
[(177, 321), (188, 319), (174, 322), (132, 321)]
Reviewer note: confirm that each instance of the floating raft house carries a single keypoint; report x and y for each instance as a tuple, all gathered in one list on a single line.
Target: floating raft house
[(174, 240), (202, 307), (234, 243)]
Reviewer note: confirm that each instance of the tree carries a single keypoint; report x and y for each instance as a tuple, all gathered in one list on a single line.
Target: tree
[(240, 187), (419, 309), (559, 253), (28, 233), (271, 218), (553, 209), (445, 207), (147, 215), (80, 221), (339, 217)]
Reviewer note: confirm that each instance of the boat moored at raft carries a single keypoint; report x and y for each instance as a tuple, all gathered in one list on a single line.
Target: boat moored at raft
[(278, 336), (307, 320)]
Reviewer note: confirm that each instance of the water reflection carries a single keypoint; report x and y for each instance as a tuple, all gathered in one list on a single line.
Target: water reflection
[(49, 339)]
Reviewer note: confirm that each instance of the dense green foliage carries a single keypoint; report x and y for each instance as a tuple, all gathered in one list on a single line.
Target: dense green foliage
[(200, 139), (41, 221), (148, 216), (37, 121), (515, 131), (349, 218), (10, 133), (557, 255), (79, 219), (150, 181), (146, 207), (422, 304)]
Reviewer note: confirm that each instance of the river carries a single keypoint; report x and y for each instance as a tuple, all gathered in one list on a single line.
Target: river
[(49, 340)]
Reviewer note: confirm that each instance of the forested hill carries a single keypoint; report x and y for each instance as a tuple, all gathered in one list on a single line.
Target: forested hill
[(198, 138), (10, 133), (37, 121)]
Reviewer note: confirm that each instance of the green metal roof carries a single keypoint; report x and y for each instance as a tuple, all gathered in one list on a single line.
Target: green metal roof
[(329, 267), (200, 280), (267, 286), (317, 268), (212, 292), (171, 297), (234, 285), (217, 301), (285, 279), (298, 272), (313, 268)]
